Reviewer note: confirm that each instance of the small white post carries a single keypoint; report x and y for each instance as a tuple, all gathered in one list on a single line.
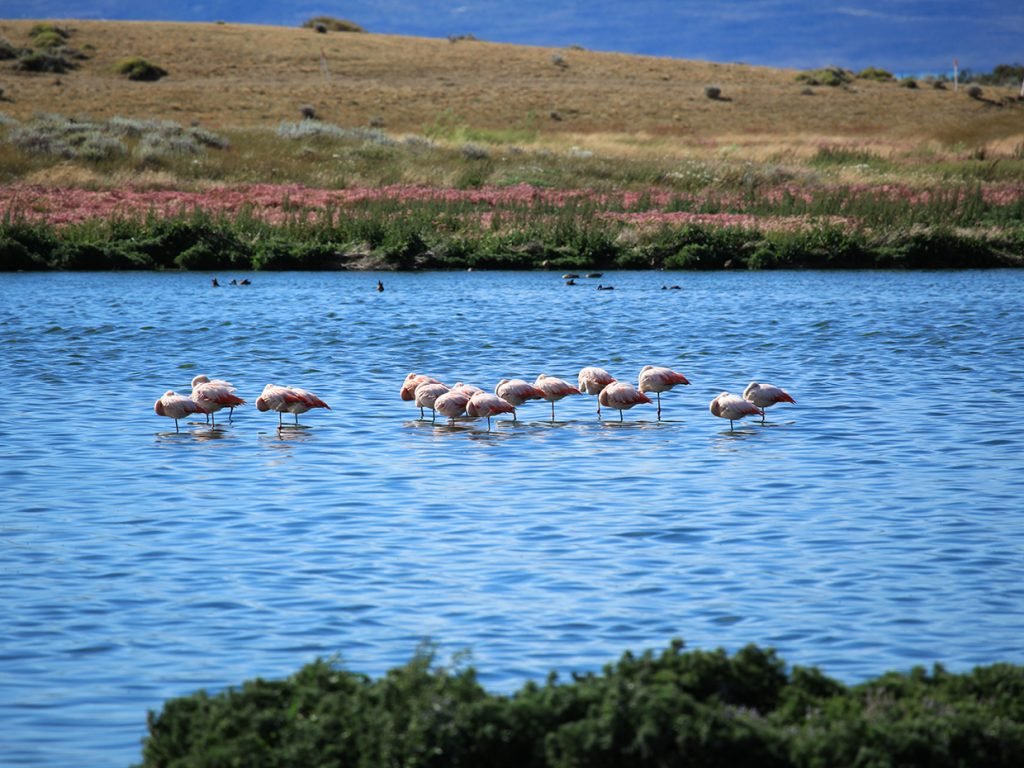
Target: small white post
[(1022, 88), (956, 70)]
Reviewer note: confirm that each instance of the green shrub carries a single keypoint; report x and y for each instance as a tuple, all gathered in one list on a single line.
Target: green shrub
[(137, 68), (49, 39), (44, 61), (332, 24), (832, 76), (697, 708), (8, 50), (876, 74)]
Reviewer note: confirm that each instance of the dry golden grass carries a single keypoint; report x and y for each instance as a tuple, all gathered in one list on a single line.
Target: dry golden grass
[(231, 76)]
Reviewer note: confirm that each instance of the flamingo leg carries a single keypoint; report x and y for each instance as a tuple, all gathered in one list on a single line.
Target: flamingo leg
[(176, 426), (231, 412), (488, 423), (552, 411), (280, 417), (433, 419), (214, 420), (620, 416), (421, 413), (762, 415), (659, 405)]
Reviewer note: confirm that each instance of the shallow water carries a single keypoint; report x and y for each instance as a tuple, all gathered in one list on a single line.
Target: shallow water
[(875, 525)]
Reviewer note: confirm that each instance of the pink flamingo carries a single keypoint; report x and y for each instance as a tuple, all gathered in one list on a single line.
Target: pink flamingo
[(215, 395), (175, 406), (288, 400), (413, 380), (517, 392), (765, 396), (486, 404), (426, 394), (655, 378), (452, 404), (621, 395), (469, 389), (592, 380), (732, 407), (554, 389)]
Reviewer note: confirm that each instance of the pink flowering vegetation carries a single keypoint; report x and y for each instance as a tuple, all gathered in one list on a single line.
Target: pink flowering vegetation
[(778, 206)]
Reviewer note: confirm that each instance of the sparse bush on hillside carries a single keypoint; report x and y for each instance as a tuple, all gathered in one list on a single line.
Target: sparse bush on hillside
[(95, 141), (712, 91), (832, 76), (975, 91), (332, 24), (49, 39), (559, 61), (8, 50), (908, 82), (874, 73), (137, 68), (42, 61), (308, 112)]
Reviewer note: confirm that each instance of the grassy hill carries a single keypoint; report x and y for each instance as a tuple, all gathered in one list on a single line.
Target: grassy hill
[(339, 149), (231, 76)]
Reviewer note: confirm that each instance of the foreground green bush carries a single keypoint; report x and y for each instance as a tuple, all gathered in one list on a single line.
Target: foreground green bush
[(678, 708)]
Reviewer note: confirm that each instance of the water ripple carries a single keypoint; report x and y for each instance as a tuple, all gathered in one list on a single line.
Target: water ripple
[(873, 526)]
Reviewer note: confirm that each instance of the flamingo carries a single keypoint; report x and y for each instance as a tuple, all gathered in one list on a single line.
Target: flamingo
[(486, 404), (554, 389), (469, 389), (732, 407), (426, 394), (622, 396), (517, 392), (288, 400), (452, 404), (175, 406), (215, 395), (765, 396), (592, 380), (412, 381), (655, 378)]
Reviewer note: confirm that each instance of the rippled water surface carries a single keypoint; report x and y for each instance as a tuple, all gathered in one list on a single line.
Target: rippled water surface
[(875, 525)]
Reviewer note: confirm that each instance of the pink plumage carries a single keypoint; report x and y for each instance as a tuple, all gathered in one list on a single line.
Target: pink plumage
[(732, 407), (622, 396), (554, 389), (484, 404), (658, 379), (175, 406), (592, 380), (294, 400), (215, 395), (765, 396)]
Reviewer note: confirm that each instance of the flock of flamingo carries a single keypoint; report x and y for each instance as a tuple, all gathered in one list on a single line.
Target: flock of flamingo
[(465, 400), (474, 402), (212, 395)]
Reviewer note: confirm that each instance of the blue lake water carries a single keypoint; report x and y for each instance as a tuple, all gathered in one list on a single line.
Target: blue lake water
[(875, 525)]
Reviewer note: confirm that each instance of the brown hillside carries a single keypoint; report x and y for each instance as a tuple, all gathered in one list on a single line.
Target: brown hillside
[(235, 76)]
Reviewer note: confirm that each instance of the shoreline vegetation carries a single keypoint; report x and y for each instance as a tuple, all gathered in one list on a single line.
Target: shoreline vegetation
[(523, 227), (400, 153), (701, 708)]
